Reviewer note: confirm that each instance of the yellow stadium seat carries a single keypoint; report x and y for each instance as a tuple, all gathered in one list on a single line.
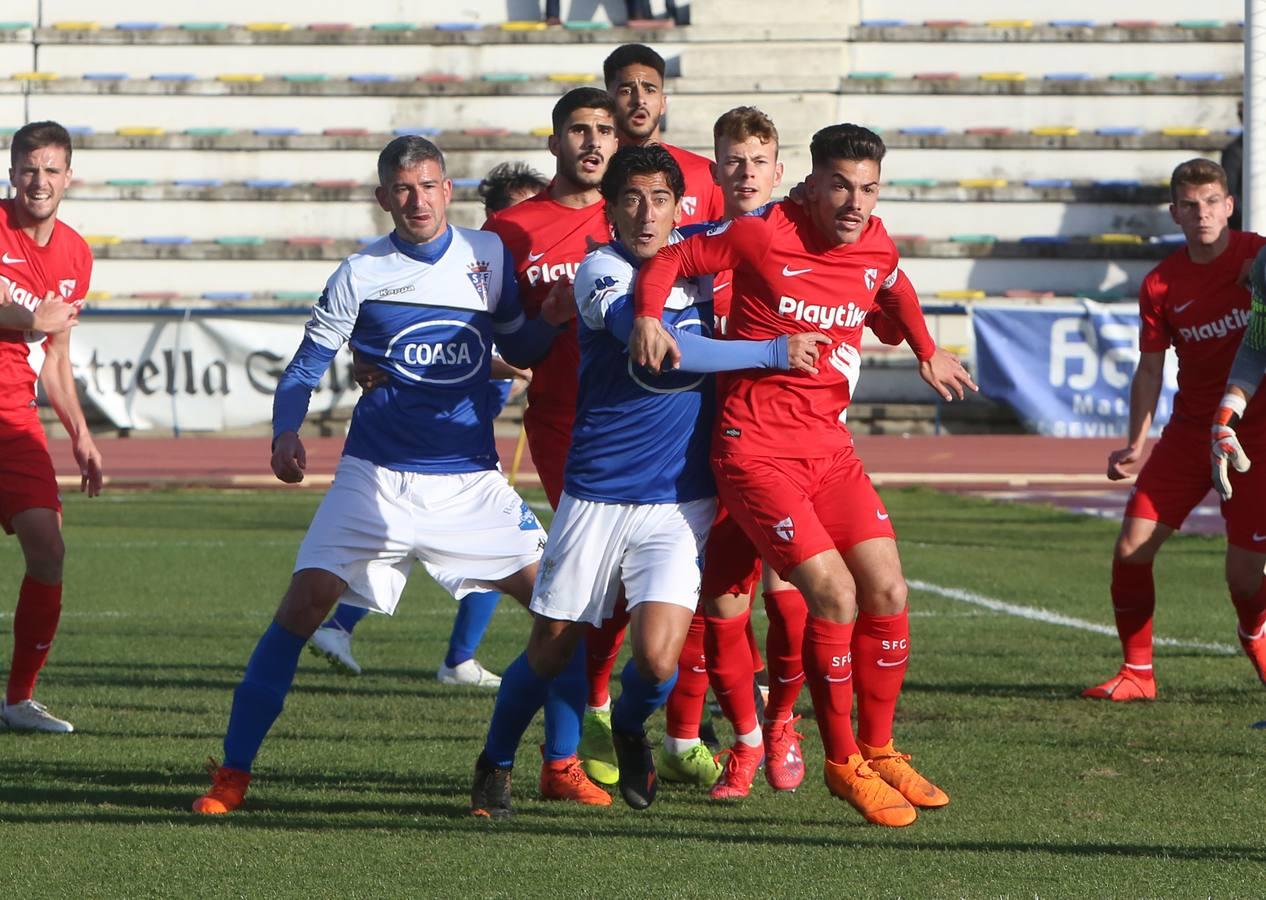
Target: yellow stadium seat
[(982, 182), (522, 26), (268, 26), (543, 131), (573, 77), (140, 131), (82, 25), (965, 294), (1116, 239), (1056, 131), (1185, 131), (241, 77), (102, 240), (1009, 23), (35, 76), (1003, 76)]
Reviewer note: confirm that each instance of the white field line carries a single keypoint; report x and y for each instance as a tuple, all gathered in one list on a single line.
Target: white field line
[(1038, 614)]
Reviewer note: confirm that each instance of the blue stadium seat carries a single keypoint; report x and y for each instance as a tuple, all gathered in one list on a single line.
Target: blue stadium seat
[(104, 76), (923, 129), (268, 183), (466, 182), (371, 78), (167, 239), (420, 130), (1066, 76), (225, 295), (1119, 130), (1048, 182), (199, 182), (456, 26), (276, 132), (173, 76), (1200, 76), (138, 26)]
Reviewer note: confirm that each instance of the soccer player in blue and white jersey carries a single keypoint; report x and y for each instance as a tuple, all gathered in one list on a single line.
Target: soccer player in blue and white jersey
[(418, 479), (638, 495)]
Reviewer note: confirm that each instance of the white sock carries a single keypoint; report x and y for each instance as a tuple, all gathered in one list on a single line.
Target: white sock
[(604, 708), (752, 739), (679, 745)]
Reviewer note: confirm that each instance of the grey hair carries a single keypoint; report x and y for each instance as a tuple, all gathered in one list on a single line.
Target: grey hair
[(405, 152)]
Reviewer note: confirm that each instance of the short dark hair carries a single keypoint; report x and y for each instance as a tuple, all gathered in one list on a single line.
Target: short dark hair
[(846, 141), (651, 159), (35, 135), (504, 180), (580, 98), (631, 55), (1197, 171), (405, 152)]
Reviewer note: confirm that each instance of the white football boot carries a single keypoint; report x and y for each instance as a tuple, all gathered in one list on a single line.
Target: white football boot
[(335, 645), (469, 673), (31, 716)]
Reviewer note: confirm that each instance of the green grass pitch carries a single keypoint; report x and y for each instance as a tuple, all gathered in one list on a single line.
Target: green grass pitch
[(361, 789)]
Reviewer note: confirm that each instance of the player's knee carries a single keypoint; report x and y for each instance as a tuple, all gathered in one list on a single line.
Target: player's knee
[(656, 664), (308, 601), (888, 599), (1132, 551), (1243, 581), (44, 560)]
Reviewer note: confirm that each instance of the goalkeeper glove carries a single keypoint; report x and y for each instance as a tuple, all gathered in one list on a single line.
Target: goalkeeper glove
[(1226, 444)]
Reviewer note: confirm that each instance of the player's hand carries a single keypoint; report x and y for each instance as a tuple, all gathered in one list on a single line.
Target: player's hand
[(559, 306), (88, 457), (651, 346), (803, 350), (54, 315), (289, 458), (1121, 461), (798, 193), (946, 375), (367, 375), (1226, 449)]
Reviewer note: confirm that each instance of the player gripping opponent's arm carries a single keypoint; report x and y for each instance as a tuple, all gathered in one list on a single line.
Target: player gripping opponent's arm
[(609, 305), (1246, 375), (898, 303), (53, 315)]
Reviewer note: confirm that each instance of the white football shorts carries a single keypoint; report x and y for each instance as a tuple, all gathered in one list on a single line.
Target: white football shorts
[(594, 548), (468, 530)]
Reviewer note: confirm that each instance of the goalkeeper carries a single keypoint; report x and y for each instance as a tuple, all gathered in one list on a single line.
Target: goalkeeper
[(1246, 374)]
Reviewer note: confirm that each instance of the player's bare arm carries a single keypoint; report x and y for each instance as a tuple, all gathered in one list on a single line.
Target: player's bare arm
[(1145, 390), (59, 385), (53, 315), (559, 306)]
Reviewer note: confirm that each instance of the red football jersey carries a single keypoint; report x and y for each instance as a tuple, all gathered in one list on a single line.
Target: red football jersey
[(702, 201), (63, 265), (547, 241), (787, 279), (1202, 311)]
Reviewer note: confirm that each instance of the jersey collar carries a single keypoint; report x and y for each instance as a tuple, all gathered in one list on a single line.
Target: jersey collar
[(429, 252)]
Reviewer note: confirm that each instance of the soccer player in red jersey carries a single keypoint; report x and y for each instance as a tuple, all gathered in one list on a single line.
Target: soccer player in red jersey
[(548, 235), (1193, 301), (800, 493), (44, 271), (634, 75)]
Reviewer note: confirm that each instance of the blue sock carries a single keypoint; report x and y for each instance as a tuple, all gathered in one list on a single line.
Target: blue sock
[(564, 708), (345, 617), (474, 612), (259, 698), (522, 693), (638, 699)]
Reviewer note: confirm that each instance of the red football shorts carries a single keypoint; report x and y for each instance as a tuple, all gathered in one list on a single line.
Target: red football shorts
[(1177, 477), (27, 479), (730, 562), (548, 438), (793, 509)]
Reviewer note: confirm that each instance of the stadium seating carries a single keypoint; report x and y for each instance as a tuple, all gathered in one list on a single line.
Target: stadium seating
[(213, 149)]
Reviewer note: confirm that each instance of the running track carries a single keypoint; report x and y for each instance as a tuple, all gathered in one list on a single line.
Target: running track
[(1021, 468)]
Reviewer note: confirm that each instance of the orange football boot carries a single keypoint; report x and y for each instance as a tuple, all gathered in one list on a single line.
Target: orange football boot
[(565, 779), (895, 769), (228, 789), (857, 784)]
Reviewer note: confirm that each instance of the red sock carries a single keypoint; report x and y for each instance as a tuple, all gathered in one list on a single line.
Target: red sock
[(1251, 611), (730, 670), (1133, 604), (787, 613), (878, 643), (684, 709), (758, 662), (828, 667), (34, 624), (602, 646)]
